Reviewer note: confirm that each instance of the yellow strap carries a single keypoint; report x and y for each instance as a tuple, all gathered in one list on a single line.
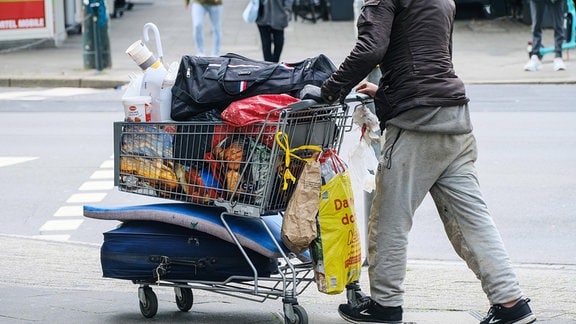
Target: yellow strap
[(282, 140)]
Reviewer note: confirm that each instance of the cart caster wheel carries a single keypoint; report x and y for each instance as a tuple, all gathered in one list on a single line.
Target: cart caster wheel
[(300, 316), (148, 302), (184, 298)]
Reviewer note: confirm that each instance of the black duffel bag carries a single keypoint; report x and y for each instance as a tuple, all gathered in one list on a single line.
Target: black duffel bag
[(212, 83)]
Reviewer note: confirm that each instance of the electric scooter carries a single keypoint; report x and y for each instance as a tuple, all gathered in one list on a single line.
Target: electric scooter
[(569, 32)]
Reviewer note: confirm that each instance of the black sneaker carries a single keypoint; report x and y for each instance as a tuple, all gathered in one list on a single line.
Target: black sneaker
[(518, 314), (368, 311)]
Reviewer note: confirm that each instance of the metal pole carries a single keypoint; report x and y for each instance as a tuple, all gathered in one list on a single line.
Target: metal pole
[(94, 5)]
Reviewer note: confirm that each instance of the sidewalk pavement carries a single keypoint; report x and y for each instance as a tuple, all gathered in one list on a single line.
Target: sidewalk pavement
[(57, 282), (485, 51), (61, 282)]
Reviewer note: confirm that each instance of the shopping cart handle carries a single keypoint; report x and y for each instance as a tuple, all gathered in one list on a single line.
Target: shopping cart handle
[(356, 97), (307, 103), (301, 105)]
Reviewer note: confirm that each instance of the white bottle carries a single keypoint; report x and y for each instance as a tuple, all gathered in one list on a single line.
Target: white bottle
[(165, 97), (327, 170)]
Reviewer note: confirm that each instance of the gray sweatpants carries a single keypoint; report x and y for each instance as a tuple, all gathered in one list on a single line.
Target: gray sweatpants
[(411, 165)]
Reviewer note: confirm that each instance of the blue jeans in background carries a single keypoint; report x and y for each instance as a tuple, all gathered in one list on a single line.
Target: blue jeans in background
[(215, 13), (556, 10)]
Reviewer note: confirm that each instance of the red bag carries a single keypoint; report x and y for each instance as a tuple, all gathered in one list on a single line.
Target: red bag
[(255, 109), (239, 116)]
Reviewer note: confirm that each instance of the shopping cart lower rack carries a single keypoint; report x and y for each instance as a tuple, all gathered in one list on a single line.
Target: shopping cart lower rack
[(223, 175)]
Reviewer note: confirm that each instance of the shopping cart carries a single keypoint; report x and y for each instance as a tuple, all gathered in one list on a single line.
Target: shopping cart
[(244, 172)]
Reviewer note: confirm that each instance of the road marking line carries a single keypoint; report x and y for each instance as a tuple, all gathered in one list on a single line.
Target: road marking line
[(97, 185), (61, 225), (103, 174), (108, 164), (11, 160), (53, 237), (69, 211), (101, 180), (48, 93), (86, 197)]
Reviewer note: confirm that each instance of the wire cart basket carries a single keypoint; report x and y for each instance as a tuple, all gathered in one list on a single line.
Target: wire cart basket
[(242, 171)]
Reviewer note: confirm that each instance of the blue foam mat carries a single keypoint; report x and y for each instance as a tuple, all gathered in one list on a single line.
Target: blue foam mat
[(249, 231)]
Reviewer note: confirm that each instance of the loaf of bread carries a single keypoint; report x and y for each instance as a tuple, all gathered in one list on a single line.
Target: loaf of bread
[(151, 170)]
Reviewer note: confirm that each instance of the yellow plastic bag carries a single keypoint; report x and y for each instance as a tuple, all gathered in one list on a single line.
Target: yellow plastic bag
[(336, 252)]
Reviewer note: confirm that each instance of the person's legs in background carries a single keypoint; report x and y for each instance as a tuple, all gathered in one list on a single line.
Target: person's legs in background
[(278, 40), (266, 38), (215, 13), (198, 13), (537, 8), (557, 10), (537, 12)]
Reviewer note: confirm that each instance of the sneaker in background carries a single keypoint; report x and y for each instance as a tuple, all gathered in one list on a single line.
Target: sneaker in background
[(517, 314), (559, 64), (368, 311), (533, 64)]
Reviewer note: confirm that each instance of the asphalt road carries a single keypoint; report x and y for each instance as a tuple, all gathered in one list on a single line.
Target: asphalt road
[(56, 151)]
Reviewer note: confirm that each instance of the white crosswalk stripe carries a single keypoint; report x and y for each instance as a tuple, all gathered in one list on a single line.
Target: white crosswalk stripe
[(69, 217), (11, 160), (36, 94)]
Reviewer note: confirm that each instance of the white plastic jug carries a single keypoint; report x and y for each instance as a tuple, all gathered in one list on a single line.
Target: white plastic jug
[(158, 84)]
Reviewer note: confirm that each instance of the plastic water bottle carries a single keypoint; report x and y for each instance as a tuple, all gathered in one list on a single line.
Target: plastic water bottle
[(327, 167)]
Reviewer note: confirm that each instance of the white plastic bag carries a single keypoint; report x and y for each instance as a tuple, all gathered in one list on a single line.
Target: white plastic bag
[(134, 86), (366, 119), (362, 160), (250, 13), (362, 165)]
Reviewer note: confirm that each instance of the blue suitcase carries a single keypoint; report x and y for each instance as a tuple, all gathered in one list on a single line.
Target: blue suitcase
[(148, 251)]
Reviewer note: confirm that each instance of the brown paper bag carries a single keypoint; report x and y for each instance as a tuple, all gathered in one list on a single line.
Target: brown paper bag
[(299, 222)]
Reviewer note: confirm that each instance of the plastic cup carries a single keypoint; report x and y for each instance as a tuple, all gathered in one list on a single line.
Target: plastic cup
[(137, 109)]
